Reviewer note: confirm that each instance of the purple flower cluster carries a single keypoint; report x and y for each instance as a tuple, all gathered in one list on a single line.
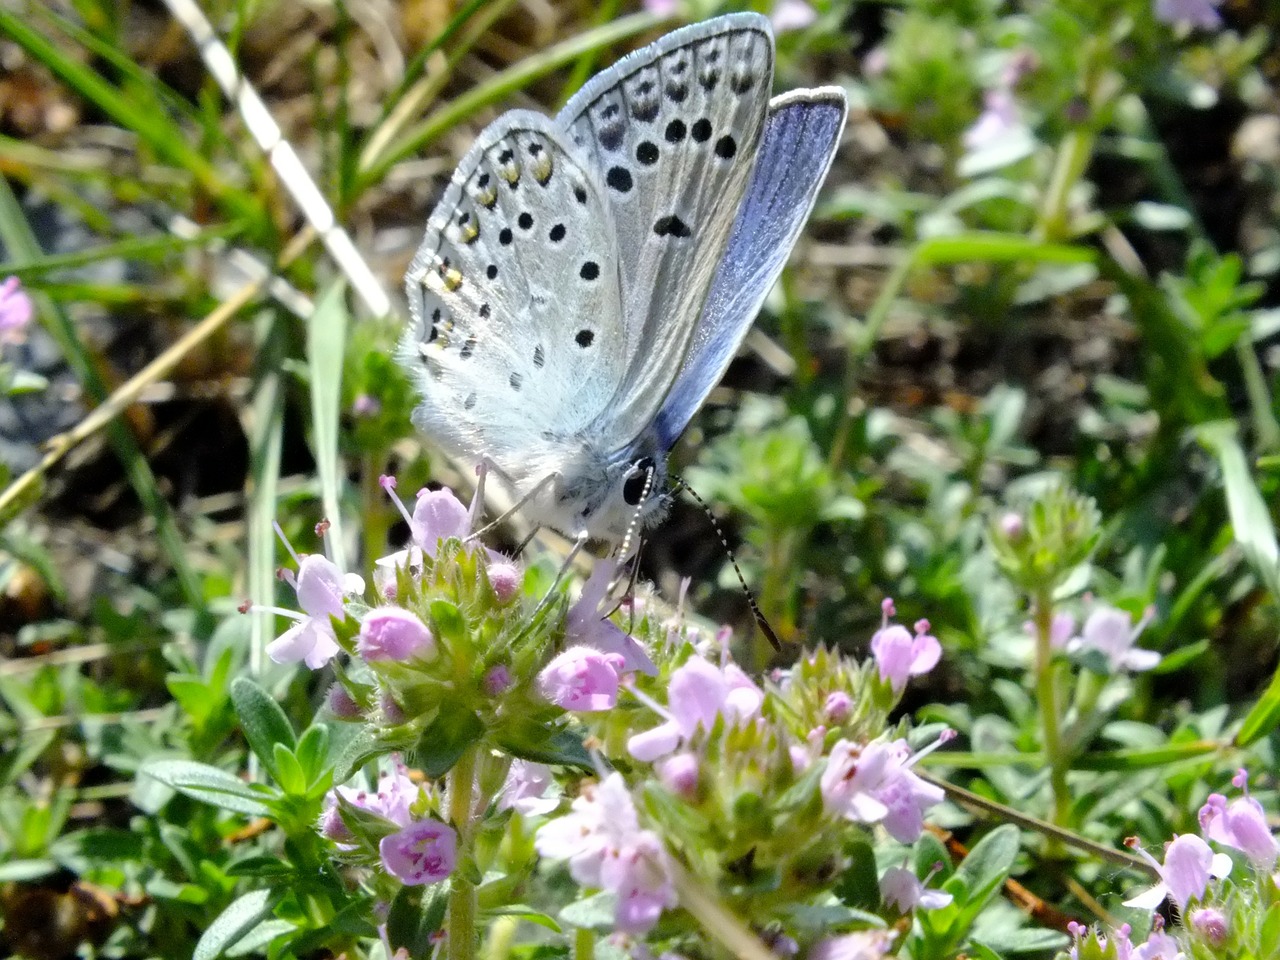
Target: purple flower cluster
[(602, 841), (873, 783), (421, 851)]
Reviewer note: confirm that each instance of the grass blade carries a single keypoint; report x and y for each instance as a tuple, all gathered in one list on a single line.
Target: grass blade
[(1250, 519), (326, 340)]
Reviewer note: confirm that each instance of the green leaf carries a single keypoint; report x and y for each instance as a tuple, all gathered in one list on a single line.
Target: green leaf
[(288, 771), (988, 864), (1250, 519), (415, 915), (20, 870), (243, 915), (263, 721), (313, 751), (260, 936), (523, 912), (1269, 935), (208, 785), (593, 913), (326, 340), (1264, 717), (859, 885), (445, 739), (263, 867), (530, 742)]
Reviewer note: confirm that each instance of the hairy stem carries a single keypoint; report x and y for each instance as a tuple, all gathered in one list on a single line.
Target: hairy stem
[(462, 893), (1047, 697)]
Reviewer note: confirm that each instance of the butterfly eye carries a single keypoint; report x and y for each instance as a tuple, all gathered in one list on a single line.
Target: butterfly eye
[(638, 480)]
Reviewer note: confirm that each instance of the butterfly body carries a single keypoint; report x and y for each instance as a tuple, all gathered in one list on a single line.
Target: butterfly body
[(585, 280)]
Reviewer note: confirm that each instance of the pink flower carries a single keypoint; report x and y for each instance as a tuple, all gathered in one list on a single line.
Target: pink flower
[(1012, 525), (697, 694), (1112, 633), (437, 516), (1197, 13), (525, 789), (365, 406), (901, 656), (1159, 946), (863, 945), (585, 624), (791, 15), (1184, 876), (602, 841), (661, 8), (393, 633), (322, 589), (1241, 824), (637, 875), (423, 852), (582, 679), (874, 784), (902, 889), (1000, 118), (15, 311), (393, 799)]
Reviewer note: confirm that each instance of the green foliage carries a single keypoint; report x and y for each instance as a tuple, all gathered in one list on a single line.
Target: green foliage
[(1034, 376)]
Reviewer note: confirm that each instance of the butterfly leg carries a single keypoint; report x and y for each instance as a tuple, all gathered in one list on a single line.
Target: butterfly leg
[(515, 508), (524, 543), (579, 542), (477, 500)]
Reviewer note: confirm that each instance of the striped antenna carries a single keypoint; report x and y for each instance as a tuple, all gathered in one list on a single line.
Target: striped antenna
[(284, 159), (724, 542)]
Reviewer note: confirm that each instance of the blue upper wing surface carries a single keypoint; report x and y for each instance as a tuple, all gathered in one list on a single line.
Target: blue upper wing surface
[(799, 141)]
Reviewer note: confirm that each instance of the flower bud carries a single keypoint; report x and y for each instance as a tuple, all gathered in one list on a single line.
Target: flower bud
[(679, 774), (1210, 924), (838, 707), (333, 827), (392, 633), (342, 705), (505, 580), (497, 680)]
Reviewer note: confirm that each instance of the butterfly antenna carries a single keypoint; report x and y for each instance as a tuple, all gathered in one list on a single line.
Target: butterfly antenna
[(751, 598)]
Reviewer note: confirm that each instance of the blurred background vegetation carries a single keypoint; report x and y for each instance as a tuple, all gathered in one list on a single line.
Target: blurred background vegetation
[(1048, 253)]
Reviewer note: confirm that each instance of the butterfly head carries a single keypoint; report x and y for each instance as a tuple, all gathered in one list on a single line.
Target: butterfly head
[(626, 492)]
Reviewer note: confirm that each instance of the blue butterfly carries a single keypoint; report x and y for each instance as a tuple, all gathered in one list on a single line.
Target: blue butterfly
[(585, 280)]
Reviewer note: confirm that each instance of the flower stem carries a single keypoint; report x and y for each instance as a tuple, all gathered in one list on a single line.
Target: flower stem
[(462, 892), (717, 919), (1047, 696), (584, 944), (1073, 157)]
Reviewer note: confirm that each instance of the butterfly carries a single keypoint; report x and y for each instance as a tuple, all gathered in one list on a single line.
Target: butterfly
[(586, 279)]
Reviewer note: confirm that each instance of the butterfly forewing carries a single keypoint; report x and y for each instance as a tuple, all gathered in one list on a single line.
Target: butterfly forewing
[(673, 131), (516, 333)]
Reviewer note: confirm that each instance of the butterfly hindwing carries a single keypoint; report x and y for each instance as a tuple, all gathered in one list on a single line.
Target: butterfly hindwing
[(800, 139), (672, 130), (516, 333)]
